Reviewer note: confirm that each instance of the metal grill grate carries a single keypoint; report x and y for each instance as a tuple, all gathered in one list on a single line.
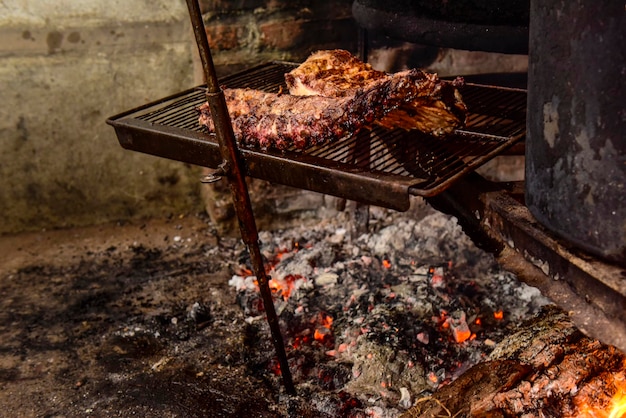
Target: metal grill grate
[(376, 166)]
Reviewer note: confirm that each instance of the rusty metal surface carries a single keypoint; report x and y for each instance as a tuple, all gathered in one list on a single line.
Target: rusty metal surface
[(232, 168), (576, 124), (400, 163), (593, 291)]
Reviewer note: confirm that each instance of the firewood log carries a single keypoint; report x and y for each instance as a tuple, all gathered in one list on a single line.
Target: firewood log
[(546, 369)]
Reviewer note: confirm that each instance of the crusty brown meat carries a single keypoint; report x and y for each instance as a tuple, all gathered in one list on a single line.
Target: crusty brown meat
[(436, 109), (335, 73), (270, 120)]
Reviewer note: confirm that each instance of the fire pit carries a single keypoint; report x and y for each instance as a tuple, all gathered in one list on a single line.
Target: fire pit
[(164, 319), (384, 318)]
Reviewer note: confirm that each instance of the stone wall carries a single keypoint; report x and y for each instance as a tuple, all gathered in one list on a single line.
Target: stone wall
[(66, 66)]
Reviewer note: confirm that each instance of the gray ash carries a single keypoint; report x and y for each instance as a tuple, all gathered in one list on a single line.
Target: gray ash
[(384, 317)]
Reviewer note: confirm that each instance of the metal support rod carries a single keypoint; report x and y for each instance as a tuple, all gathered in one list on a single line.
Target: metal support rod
[(239, 190)]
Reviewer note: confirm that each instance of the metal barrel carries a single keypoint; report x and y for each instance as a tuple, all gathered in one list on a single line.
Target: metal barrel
[(576, 126)]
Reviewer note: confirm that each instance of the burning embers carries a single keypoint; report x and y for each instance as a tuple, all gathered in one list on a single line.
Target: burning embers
[(617, 406), (546, 369), (373, 323), (607, 405)]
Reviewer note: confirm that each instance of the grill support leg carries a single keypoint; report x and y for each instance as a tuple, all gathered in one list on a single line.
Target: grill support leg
[(232, 169)]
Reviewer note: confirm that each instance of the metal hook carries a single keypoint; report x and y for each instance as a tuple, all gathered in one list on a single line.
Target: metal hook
[(216, 175)]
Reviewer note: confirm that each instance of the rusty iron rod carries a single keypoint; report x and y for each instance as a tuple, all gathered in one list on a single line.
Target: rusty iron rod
[(232, 168)]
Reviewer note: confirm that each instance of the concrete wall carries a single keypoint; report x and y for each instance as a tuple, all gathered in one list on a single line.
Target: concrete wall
[(65, 66)]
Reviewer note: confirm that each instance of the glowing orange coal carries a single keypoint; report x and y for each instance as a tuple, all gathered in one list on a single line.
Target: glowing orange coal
[(616, 407), (299, 341), (433, 377), (282, 253), (498, 315), (327, 321), (458, 327), (461, 335), (323, 331), (285, 286), (319, 335)]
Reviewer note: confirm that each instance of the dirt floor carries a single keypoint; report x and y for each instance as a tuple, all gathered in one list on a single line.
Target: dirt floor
[(84, 313), (140, 319)]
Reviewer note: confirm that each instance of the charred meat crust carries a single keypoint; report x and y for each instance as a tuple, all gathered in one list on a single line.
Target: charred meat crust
[(335, 73), (355, 97), (270, 120)]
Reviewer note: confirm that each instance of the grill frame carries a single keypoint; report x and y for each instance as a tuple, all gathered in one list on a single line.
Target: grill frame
[(376, 167)]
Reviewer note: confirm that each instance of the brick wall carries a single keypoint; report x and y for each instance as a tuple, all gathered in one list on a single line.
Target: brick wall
[(247, 32)]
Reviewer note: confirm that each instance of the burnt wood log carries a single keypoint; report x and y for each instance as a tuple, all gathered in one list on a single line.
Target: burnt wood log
[(546, 369)]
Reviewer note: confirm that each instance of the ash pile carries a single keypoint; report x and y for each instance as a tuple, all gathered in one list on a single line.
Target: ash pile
[(373, 322)]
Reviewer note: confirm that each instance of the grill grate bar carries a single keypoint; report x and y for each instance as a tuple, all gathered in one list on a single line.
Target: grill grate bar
[(389, 164), (334, 152)]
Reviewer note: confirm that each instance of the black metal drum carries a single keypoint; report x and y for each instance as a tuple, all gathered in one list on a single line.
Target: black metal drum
[(576, 126)]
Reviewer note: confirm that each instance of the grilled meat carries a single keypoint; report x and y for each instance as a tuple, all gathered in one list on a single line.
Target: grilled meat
[(334, 95), (434, 107), (270, 120), (335, 73)]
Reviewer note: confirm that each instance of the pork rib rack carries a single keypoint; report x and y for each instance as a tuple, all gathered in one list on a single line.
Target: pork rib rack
[(276, 120)]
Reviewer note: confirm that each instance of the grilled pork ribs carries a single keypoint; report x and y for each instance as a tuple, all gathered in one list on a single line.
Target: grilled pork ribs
[(334, 95)]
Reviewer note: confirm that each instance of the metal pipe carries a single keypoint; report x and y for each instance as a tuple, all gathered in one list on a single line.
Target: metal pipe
[(232, 168)]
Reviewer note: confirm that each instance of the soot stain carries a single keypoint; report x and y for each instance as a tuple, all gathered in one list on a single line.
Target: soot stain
[(54, 41)]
